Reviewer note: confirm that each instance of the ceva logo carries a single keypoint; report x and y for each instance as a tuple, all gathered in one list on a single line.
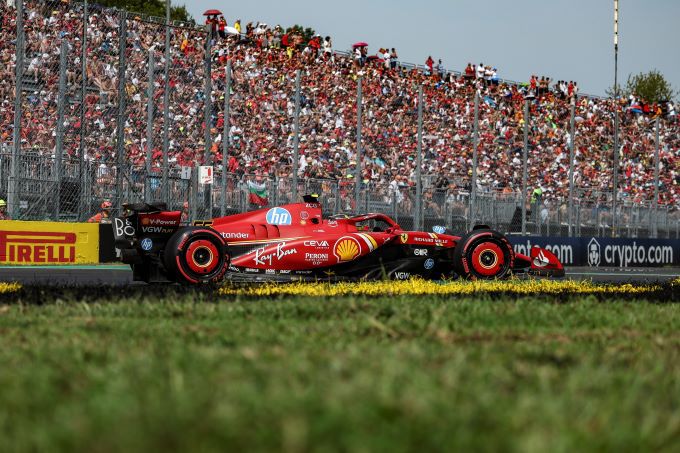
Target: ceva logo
[(278, 216), (594, 253)]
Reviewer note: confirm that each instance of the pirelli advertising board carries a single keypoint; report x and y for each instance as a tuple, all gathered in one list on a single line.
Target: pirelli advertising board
[(44, 243)]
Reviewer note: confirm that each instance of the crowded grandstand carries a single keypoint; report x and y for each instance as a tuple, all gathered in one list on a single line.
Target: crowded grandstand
[(264, 60)]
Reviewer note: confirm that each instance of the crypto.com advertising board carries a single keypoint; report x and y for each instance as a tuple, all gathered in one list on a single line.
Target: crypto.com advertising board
[(605, 252)]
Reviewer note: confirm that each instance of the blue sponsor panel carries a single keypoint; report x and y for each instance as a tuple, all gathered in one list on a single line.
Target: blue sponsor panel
[(604, 252)]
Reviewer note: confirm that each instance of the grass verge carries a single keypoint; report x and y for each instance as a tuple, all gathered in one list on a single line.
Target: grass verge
[(173, 371)]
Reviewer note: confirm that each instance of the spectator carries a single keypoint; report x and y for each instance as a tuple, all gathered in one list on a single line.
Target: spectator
[(393, 58), (221, 27), (104, 215), (441, 70), (262, 106), (3, 211), (184, 218), (429, 63), (328, 48)]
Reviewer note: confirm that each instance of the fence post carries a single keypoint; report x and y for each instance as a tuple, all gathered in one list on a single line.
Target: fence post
[(572, 138), (655, 227), (207, 119), (225, 137), (165, 190), (13, 186), (475, 146), (149, 123), (524, 167), (336, 197), (120, 126), (357, 174), (59, 148), (193, 193), (207, 114), (83, 125), (296, 136), (615, 176), (418, 220)]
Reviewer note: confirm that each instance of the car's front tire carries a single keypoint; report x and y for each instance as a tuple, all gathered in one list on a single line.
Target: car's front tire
[(196, 255), (483, 255)]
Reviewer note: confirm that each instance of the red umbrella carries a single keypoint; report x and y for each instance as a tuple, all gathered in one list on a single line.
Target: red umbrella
[(359, 44), (213, 12)]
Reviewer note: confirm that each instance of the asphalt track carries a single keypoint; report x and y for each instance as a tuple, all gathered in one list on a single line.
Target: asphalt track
[(117, 275)]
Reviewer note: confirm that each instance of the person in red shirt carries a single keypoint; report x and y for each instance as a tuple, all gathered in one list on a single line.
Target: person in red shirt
[(212, 22), (469, 72), (315, 44), (103, 216), (429, 63), (221, 25)]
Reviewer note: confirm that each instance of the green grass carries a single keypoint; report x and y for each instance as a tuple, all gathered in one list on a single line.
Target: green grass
[(347, 374)]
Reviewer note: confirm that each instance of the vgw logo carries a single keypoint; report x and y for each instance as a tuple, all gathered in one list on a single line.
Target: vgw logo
[(594, 253), (278, 216)]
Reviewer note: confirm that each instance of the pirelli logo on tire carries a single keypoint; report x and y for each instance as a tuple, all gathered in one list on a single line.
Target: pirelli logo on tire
[(39, 243)]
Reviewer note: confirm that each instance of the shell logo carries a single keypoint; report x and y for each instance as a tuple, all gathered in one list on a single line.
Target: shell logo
[(346, 249)]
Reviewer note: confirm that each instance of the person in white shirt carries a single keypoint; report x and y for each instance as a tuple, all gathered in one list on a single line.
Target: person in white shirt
[(327, 47), (480, 71), (357, 57), (440, 69), (488, 73)]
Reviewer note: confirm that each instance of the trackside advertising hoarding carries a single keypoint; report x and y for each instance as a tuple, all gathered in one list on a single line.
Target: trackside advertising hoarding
[(605, 252), (31, 243)]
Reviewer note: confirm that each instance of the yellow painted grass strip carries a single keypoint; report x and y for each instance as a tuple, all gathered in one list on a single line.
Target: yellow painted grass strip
[(6, 288), (417, 287)]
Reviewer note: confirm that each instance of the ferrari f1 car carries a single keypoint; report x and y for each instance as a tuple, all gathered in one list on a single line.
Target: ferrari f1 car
[(296, 241)]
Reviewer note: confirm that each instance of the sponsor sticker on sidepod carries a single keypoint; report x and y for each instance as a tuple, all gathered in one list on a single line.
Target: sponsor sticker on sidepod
[(279, 216), (147, 244)]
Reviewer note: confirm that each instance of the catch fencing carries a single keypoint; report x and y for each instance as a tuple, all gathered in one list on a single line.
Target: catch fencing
[(104, 105)]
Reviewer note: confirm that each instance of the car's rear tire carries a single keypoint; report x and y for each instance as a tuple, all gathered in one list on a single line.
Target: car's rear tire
[(483, 255), (196, 255)]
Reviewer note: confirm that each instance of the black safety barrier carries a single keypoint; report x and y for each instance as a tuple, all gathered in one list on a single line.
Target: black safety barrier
[(579, 251), (107, 251)]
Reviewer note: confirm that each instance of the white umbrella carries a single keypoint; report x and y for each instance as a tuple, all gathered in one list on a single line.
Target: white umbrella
[(231, 31)]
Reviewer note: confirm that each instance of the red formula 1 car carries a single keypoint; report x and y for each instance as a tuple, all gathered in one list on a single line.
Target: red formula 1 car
[(295, 241)]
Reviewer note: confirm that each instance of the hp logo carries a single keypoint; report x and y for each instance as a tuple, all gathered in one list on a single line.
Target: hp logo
[(146, 244), (429, 263), (279, 216)]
